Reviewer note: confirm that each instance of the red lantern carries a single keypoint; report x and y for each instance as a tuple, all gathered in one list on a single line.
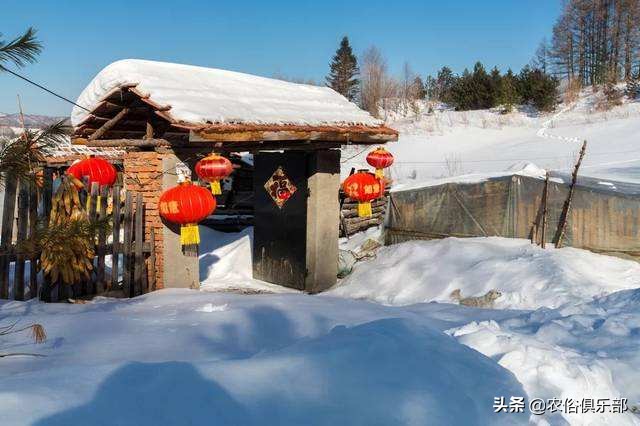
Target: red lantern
[(213, 168), (380, 159), (96, 169), (363, 187), (187, 204)]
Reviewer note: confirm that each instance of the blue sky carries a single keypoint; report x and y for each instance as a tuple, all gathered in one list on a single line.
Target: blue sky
[(292, 38)]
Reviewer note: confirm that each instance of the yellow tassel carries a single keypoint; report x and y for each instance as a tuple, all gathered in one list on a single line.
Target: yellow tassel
[(215, 187), (88, 202), (189, 234), (364, 209), (380, 173)]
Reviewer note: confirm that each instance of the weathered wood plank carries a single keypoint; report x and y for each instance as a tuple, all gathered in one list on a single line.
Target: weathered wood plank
[(116, 248), (139, 240), (109, 124), (89, 286), (152, 261), (47, 195), (6, 237), (33, 222), (21, 236), (126, 247), (102, 239)]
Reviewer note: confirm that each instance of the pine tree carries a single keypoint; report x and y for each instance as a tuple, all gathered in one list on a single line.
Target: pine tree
[(419, 88), (343, 71), (508, 95), (496, 82)]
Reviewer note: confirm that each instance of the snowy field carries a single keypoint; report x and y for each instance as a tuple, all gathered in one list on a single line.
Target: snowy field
[(387, 345), (188, 357), (448, 144)]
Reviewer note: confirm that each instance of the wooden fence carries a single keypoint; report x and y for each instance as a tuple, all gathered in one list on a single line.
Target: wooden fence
[(132, 269)]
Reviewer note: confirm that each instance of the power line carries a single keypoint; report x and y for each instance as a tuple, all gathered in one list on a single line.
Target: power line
[(43, 88)]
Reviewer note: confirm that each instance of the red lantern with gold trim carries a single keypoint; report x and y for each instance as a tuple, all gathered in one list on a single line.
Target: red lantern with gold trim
[(96, 169), (187, 204), (363, 187), (213, 168), (380, 159)]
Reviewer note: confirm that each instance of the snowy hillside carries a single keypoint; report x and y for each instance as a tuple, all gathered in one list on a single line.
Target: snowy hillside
[(451, 143)]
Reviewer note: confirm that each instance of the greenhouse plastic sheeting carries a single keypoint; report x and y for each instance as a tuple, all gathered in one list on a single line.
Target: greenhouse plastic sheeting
[(603, 217)]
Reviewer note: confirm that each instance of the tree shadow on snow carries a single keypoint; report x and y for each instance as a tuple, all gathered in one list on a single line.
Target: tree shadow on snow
[(140, 394)]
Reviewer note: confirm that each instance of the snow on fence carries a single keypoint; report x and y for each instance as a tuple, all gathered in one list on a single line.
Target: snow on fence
[(132, 258)]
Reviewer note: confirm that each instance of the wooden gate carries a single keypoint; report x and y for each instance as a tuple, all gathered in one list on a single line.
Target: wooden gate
[(132, 259)]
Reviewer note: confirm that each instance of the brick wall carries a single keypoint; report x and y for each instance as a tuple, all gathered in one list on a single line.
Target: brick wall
[(143, 173)]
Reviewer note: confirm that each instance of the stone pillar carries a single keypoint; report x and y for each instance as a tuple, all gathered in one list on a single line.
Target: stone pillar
[(323, 215), (180, 269)]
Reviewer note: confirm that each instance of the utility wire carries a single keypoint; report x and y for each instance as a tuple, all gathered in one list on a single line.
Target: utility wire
[(43, 88)]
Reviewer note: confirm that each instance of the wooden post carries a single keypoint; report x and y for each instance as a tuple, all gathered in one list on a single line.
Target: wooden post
[(139, 240), (23, 226), (126, 262), (545, 196), (6, 237), (102, 240), (567, 204), (33, 222), (116, 247), (47, 195), (152, 261), (89, 286)]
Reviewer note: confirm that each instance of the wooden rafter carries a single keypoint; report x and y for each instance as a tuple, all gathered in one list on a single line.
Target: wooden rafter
[(109, 124)]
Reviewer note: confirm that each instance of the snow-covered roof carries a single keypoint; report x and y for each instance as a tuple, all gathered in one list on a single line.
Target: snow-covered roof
[(199, 96)]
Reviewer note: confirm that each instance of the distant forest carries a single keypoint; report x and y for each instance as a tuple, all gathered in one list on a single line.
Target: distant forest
[(593, 43)]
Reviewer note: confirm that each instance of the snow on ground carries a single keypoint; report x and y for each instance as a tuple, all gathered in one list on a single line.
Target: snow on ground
[(586, 351), (188, 357), (566, 326), (527, 276)]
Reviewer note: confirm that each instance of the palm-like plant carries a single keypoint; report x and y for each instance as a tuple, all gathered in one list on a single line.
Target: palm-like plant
[(20, 155), (21, 50)]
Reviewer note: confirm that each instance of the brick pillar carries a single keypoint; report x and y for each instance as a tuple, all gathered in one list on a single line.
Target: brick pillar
[(143, 173)]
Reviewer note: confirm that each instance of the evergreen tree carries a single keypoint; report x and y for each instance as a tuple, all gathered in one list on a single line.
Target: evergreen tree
[(419, 88), (496, 82), (430, 88), (508, 95), (481, 83), (538, 88), (343, 71), (463, 96), (445, 80)]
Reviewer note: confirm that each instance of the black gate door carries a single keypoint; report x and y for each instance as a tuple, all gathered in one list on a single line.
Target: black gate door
[(280, 217)]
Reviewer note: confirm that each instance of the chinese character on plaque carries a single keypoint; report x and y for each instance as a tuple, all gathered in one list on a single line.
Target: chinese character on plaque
[(280, 187)]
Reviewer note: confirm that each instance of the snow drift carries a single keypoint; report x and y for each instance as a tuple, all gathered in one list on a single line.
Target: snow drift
[(527, 276), (164, 358)]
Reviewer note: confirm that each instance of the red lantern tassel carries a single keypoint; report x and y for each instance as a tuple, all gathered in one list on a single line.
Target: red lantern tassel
[(380, 173), (215, 187), (189, 234), (364, 209)]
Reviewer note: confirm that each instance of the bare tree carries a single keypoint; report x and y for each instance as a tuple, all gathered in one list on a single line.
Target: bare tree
[(376, 84)]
